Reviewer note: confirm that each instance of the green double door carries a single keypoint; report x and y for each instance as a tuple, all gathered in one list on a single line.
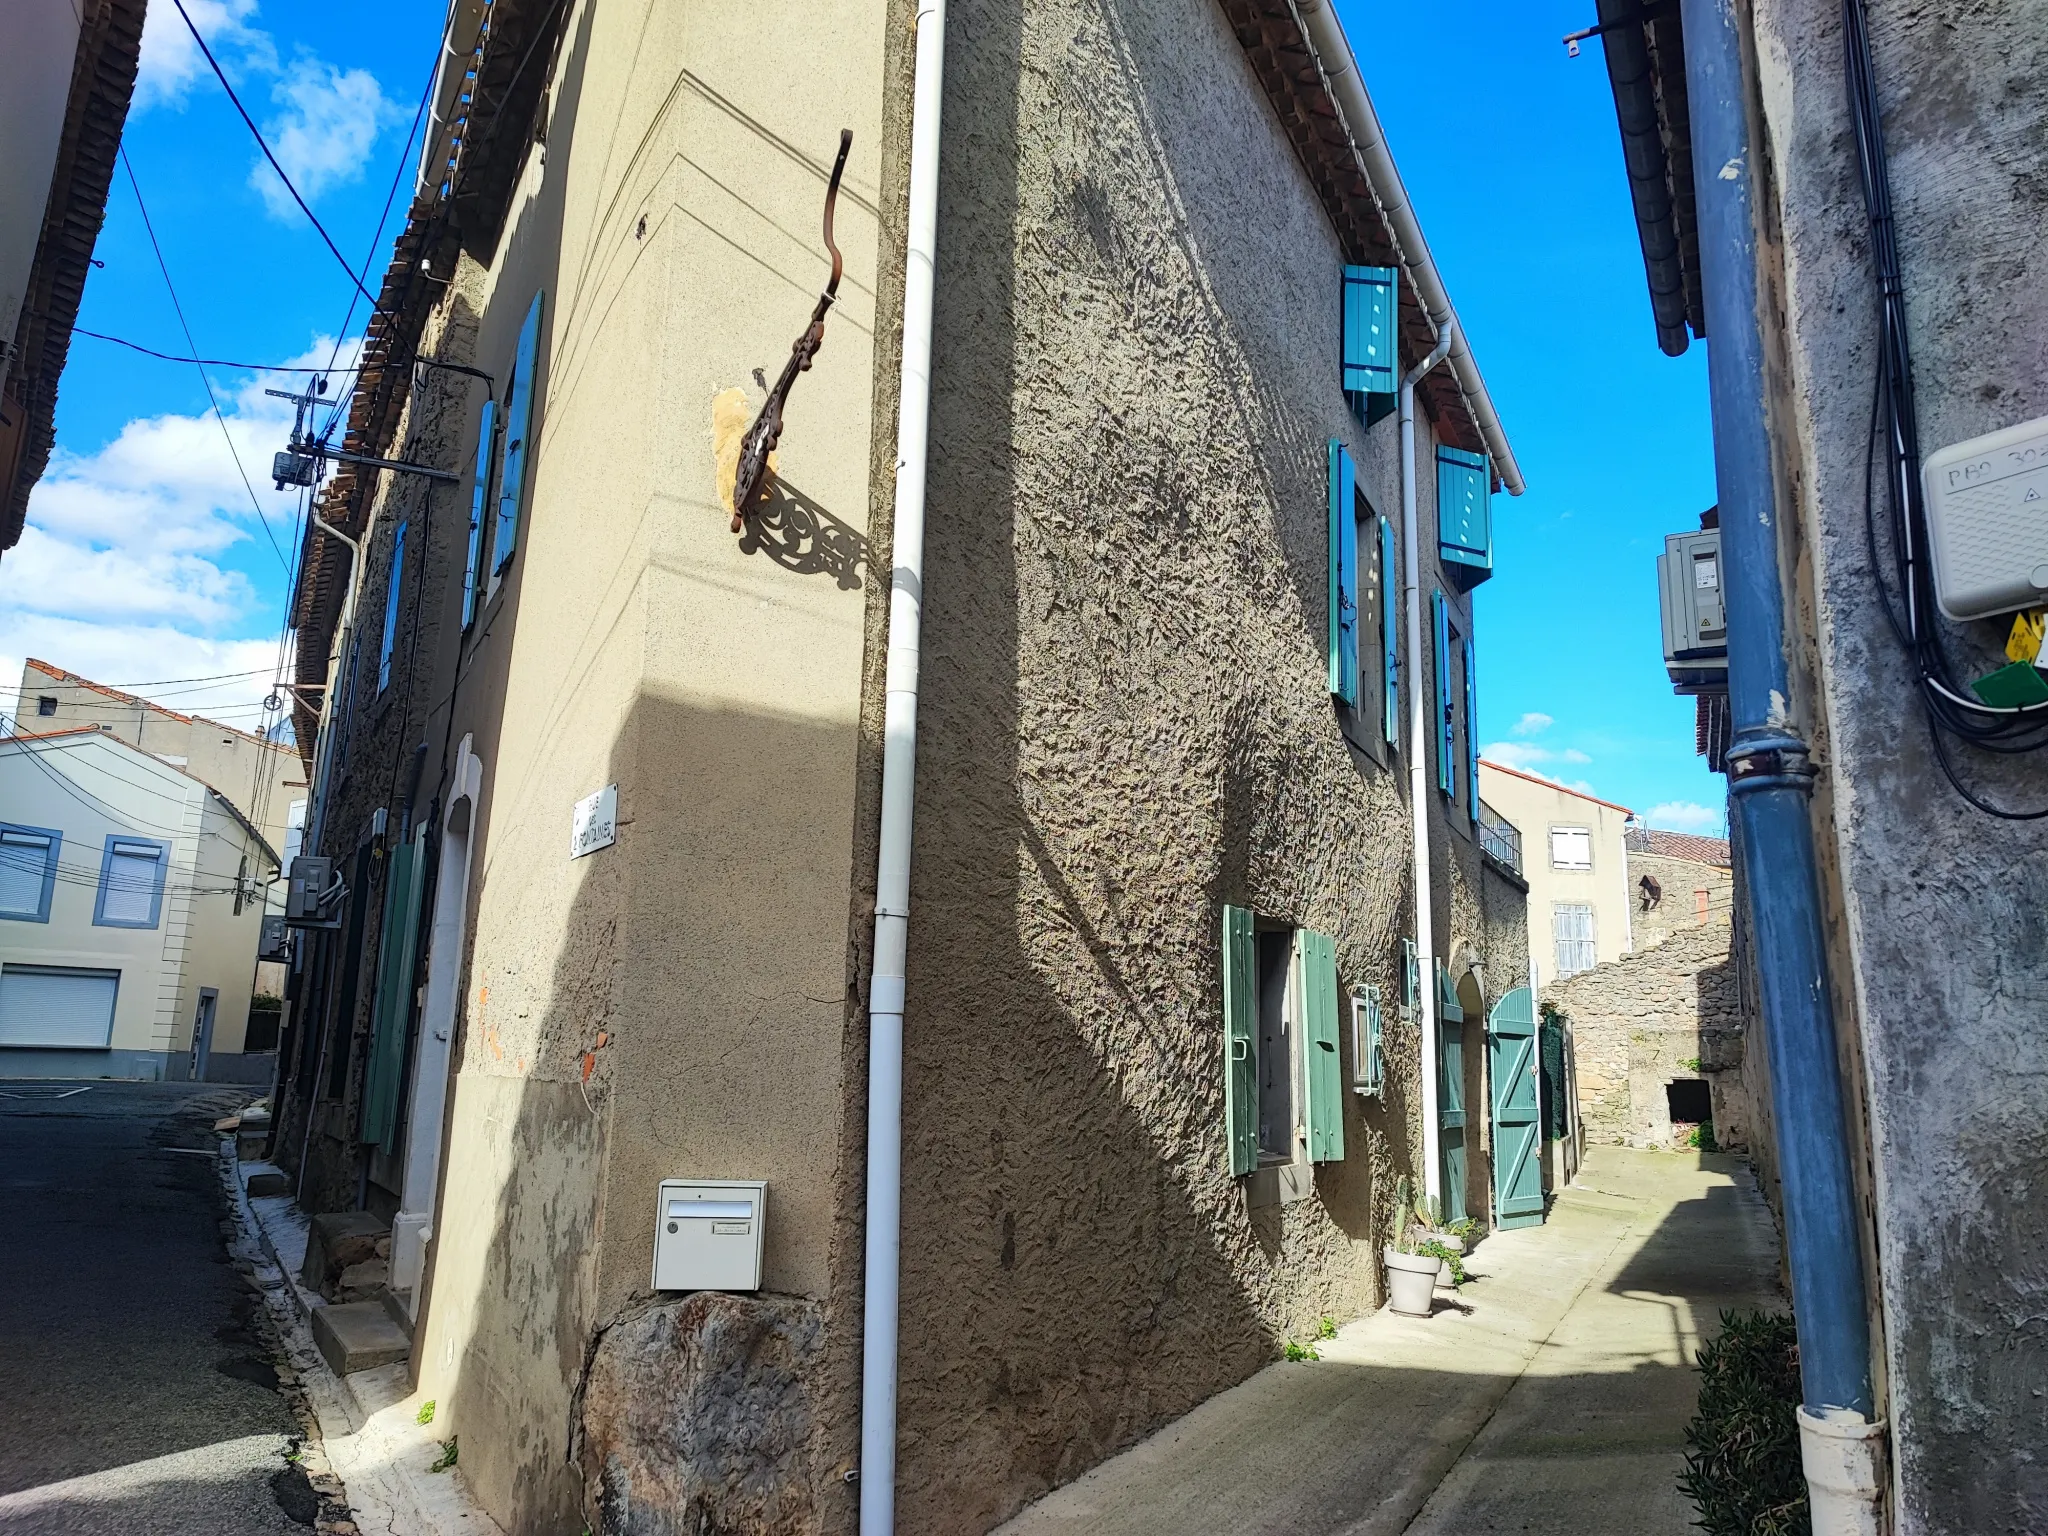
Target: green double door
[(1517, 1111)]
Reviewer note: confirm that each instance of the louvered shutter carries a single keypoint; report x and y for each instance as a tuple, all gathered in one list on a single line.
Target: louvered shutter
[(1316, 955), (1390, 648), (1471, 728), (1464, 519), (1369, 331), (479, 501), (518, 426), (395, 586), (1446, 745), (397, 963), (1343, 574), (1240, 1031)]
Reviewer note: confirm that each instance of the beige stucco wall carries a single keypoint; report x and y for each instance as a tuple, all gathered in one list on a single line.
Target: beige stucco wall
[(1535, 806)]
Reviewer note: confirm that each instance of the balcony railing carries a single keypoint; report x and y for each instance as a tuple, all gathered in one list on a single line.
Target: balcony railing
[(1499, 840)]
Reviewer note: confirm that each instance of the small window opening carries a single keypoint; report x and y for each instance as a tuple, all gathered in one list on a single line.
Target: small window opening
[(45, 705), (1276, 1046), (1690, 1100)]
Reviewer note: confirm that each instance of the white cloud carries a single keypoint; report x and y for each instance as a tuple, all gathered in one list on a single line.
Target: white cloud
[(171, 61), (123, 573), (1527, 755), (324, 135), (1535, 723), (1687, 816)]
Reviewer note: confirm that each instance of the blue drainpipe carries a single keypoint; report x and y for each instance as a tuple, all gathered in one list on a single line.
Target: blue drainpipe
[(1770, 775)]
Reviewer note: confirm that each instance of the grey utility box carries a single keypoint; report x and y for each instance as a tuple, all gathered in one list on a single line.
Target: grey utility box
[(707, 1234), (1689, 592), (309, 891)]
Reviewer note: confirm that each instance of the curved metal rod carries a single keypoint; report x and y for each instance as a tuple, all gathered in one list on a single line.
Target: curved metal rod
[(762, 436)]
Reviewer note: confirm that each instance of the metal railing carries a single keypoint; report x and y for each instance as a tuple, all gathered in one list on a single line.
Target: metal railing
[(1499, 839)]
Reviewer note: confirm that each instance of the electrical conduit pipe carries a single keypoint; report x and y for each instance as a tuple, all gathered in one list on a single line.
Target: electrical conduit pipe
[(899, 757), (1770, 781)]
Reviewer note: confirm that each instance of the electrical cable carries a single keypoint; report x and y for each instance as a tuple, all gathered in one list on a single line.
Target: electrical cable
[(204, 362), (1909, 601)]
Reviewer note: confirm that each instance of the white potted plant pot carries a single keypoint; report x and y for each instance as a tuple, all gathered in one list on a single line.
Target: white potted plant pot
[(1457, 1245), (1411, 1281)]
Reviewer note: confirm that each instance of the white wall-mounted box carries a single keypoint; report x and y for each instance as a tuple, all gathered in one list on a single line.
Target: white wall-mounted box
[(707, 1234), (1987, 521)]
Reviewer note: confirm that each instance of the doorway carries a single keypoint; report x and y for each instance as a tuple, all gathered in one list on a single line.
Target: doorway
[(202, 1032)]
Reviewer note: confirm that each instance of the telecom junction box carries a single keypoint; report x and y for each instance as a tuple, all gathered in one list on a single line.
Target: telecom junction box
[(1987, 521), (707, 1234), (1689, 593)]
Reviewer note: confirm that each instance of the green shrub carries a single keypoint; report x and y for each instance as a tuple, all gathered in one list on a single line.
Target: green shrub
[(1742, 1469)]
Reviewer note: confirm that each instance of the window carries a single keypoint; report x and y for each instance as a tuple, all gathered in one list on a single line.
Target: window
[(391, 609), (131, 892), (1571, 848), (518, 447), (1368, 341), (45, 705), (1471, 732), (1390, 650), (1283, 1084), (1446, 721), (1572, 923), (1361, 549), (1368, 1060), (57, 1007), (28, 871), (479, 499), (1343, 562)]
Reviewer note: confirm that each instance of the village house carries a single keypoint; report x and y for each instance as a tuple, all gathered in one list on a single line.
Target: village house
[(1048, 1089)]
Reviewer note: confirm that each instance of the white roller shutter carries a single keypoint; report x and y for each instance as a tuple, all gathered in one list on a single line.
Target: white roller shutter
[(24, 860), (52, 1005), (133, 878)]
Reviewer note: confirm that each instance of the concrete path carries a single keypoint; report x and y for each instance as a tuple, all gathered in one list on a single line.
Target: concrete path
[(1550, 1396), (136, 1395)]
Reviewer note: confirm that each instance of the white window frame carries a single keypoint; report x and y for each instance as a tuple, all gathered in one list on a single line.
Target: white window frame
[(1586, 833)]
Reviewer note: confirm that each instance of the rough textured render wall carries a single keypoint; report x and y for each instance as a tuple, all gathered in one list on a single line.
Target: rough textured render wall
[(1945, 909), (1638, 1023), (1682, 882), (1124, 725)]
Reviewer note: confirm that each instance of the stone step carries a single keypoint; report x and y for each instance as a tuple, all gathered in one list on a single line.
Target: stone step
[(358, 1336)]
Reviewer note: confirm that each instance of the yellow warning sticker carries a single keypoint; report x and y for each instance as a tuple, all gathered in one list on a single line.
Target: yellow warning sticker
[(2024, 643)]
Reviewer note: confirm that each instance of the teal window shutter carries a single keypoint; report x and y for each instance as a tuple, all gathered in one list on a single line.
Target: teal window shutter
[(1390, 649), (391, 609), (1471, 729), (1317, 953), (1240, 1032), (479, 499), (1446, 742), (1343, 574), (1369, 1066), (1448, 1008), (518, 448), (1464, 515), (1369, 331), (397, 962)]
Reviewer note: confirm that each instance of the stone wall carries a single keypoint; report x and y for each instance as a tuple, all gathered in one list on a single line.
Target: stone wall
[(1672, 1013), (1682, 881)]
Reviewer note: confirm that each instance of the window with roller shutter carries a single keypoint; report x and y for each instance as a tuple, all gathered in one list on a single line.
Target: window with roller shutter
[(28, 871), (131, 889)]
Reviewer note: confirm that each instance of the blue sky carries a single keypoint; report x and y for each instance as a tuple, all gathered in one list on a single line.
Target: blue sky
[(144, 559)]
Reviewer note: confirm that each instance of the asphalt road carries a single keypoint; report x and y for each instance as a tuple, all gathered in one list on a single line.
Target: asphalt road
[(136, 1394)]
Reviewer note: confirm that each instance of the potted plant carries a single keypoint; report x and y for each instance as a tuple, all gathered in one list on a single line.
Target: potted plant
[(1414, 1259), (1454, 1237)]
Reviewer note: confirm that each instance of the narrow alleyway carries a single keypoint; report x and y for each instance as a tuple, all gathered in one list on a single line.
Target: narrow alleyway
[(1549, 1396), (136, 1395)]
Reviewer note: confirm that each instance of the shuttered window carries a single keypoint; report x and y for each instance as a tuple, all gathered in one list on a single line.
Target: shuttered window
[(479, 502), (1368, 334), (397, 964), (397, 582), (1572, 925), (1343, 563), (1240, 1027), (1368, 1054), (1471, 729), (57, 1007), (512, 475), (1411, 978), (1446, 735), (1390, 650), (1464, 516), (131, 888), (28, 871), (1571, 848), (1316, 966)]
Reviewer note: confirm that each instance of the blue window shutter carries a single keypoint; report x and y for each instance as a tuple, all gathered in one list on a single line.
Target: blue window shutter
[(479, 499), (1446, 762), (1471, 729), (1240, 1037), (1369, 331), (1343, 574), (518, 424), (1390, 648), (391, 609), (1464, 515)]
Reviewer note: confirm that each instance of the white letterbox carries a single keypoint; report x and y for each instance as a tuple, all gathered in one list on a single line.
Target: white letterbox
[(707, 1234)]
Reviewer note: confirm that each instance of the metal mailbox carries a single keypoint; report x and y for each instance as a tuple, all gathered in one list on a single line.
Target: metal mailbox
[(707, 1234)]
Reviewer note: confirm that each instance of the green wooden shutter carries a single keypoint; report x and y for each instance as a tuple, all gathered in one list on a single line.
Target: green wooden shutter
[(1369, 331), (1471, 728), (1451, 1117), (518, 447), (1390, 647), (1447, 1004), (1320, 1031), (1240, 1033), (479, 499), (1446, 743), (1517, 1111), (1464, 516), (1343, 575), (397, 962)]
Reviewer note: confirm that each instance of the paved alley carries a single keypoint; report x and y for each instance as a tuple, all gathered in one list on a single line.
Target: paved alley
[(139, 1397), (1550, 1396)]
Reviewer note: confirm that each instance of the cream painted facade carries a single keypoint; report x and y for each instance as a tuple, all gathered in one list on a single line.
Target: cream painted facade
[(1576, 862), (73, 801)]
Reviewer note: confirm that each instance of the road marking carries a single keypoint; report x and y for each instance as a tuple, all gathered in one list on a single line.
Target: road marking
[(190, 1151), (46, 1097)]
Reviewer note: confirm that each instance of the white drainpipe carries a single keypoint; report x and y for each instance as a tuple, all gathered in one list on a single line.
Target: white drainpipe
[(899, 757), (1419, 737)]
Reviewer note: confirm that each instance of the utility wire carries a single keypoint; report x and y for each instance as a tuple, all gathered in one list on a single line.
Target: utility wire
[(204, 362), (184, 325)]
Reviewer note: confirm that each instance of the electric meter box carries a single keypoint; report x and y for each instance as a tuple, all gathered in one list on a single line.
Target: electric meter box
[(1690, 596), (307, 890), (707, 1234), (1987, 521)]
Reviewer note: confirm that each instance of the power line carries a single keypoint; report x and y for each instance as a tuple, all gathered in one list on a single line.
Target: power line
[(204, 362), (163, 267)]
